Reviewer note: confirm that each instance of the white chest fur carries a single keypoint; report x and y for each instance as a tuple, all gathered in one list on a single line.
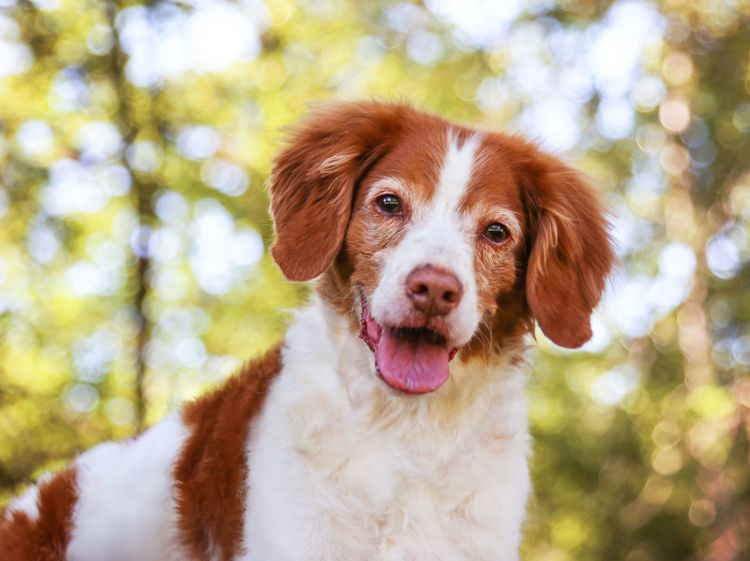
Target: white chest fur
[(342, 468)]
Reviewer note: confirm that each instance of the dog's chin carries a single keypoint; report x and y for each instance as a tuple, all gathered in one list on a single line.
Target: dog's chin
[(409, 358)]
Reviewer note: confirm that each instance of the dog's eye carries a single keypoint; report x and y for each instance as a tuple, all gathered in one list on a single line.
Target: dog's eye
[(389, 204), (496, 233)]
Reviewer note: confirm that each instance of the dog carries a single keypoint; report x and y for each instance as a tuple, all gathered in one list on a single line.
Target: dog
[(390, 424)]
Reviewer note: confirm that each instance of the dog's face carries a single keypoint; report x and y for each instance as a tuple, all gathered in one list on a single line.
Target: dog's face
[(435, 238)]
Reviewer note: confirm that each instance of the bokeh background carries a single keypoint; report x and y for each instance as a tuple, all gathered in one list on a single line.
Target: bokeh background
[(135, 142)]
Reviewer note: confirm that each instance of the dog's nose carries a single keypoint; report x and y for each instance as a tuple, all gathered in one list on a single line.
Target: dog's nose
[(433, 291)]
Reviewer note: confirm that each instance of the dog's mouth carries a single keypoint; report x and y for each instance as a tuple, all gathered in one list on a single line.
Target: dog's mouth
[(413, 360)]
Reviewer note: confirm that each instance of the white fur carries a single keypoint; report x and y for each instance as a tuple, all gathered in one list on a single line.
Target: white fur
[(456, 172), (125, 510), (441, 236), (344, 468)]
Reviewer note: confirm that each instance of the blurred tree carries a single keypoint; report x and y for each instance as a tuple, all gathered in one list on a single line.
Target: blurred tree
[(135, 139)]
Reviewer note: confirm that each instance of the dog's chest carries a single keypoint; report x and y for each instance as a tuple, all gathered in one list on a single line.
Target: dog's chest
[(396, 501), (327, 484)]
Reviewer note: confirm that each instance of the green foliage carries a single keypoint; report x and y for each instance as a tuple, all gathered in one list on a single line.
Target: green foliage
[(135, 141)]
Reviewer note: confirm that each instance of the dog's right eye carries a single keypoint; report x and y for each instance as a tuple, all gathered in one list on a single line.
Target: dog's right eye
[(389, 204)]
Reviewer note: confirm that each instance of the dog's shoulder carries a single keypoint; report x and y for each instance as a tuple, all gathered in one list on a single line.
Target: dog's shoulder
[(211, 472)]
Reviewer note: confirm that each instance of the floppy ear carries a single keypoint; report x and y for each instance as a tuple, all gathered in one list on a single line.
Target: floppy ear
[(571, 250), (314, 179)]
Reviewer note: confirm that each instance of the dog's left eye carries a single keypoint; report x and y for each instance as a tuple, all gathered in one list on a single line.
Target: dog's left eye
[(496, 233), (389, 204)]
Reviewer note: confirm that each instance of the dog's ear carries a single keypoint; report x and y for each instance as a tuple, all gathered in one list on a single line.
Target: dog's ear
[(571, 252), (314, 179)]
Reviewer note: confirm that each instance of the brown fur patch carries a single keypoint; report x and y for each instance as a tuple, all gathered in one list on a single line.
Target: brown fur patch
[(315, 177), (211, 472), (571, 252), (45, 538)]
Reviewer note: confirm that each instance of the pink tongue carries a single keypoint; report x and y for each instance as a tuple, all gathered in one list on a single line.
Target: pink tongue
[(411, 364)]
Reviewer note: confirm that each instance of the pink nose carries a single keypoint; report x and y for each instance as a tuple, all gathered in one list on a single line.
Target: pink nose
[(434, 292)]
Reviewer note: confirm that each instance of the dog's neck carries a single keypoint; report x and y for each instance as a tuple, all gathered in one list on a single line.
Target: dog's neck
[(478, 389)]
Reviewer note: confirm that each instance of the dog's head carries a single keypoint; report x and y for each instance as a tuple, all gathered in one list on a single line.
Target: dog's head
[(436, 238)]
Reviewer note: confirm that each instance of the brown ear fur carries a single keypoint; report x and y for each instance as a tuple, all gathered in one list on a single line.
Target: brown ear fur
[(571, 251), (314, 179)]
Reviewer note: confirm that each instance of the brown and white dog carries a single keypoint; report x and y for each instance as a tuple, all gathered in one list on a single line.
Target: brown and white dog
[(391, 422)]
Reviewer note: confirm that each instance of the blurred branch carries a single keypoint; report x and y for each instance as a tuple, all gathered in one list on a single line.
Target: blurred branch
[(143, 191)]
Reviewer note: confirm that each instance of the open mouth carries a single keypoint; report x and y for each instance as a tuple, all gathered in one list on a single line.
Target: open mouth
[(410, 359)]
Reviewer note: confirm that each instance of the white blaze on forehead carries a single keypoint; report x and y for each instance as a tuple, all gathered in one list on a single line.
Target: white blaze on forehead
[(456, 172)]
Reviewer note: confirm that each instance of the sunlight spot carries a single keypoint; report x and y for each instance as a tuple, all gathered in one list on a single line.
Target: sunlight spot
[(100, 40), (43, 243), (674, 115), (615, 54), (168, 42), (615, 118), (70, 91), (424, 47), (677, 68), (601, 336), (554, 122), (477, 23), (15, 58), (723, 256), (247, 248), (677, 261), (72, 189), (143, 156), (35, 139), (611, 387), (647, 93), (93, 355), (82, 398), (225, 176), (190, 352), (172, 207), (99, 141), (198, 142), (220, 256)]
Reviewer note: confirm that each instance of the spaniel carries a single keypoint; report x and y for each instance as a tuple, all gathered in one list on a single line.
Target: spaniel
[(390, 423)]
